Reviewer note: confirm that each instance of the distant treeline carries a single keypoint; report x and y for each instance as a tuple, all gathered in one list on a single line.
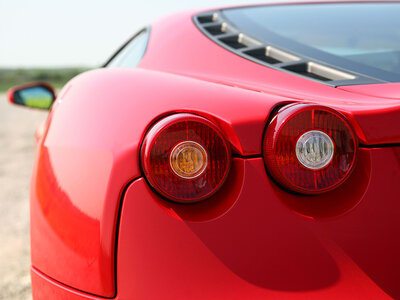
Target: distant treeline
[(56, 77)]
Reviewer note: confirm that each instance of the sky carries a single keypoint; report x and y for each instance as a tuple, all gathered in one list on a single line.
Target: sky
[(68, 33)]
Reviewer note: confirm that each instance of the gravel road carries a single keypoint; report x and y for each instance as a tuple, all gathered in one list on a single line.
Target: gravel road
[(17, 127)]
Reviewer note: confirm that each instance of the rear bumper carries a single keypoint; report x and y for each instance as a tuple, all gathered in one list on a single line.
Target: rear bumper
[(45, 288), (254, 241)]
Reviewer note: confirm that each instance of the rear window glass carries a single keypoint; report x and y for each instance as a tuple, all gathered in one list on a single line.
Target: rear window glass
[(363, 37)]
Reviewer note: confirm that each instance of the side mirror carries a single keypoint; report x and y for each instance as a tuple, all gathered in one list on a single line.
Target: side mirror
[(35, 95)]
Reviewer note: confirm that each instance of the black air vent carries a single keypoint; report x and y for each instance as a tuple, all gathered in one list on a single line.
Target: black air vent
[(221, 28), (319, 72), (214, 29), (271, 55), (233, 41), (239, 41), (218, 29), (208, 18)]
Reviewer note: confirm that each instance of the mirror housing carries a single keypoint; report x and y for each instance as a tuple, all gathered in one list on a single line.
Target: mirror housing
[(34, 95)]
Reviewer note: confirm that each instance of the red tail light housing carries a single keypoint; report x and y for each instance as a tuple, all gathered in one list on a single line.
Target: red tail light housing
[(185, 158), (309, 148)]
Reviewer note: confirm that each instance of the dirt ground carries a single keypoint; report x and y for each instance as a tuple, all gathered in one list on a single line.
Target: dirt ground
[(17, 127)]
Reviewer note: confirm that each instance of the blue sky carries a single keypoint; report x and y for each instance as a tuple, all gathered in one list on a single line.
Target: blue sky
[(53, 33)]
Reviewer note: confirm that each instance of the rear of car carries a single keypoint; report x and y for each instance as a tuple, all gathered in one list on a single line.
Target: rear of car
[(253, 154)]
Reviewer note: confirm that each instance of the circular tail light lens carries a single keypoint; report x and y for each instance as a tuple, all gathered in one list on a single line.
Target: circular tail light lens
[(314, 149), (188, 159), (309, 148), (185, 158)]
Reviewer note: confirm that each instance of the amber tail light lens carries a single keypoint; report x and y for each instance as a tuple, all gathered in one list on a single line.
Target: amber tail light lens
[(185, 158), (309, 148)]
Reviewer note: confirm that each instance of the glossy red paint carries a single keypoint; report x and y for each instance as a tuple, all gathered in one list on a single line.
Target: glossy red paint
[(262, 246), (252, 239), (44, 288), (83, 166)]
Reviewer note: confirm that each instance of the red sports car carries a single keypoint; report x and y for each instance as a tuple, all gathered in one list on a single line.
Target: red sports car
[(236, 153)]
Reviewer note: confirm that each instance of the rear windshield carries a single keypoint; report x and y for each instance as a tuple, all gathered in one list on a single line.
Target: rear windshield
[(362, 37)]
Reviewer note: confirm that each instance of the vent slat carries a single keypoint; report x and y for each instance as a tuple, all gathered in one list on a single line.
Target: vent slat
[(233, 41), (239, 41), (214, 29), (317, 71), (260, 54), (209, 18), (271, 55), (217, 29)]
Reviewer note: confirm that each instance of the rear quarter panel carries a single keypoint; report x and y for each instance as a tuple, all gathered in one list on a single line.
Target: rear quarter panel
[(90, 152)]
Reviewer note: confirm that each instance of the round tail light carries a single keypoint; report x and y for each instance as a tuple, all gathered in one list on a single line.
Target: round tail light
[(309, 148), (185, 158)]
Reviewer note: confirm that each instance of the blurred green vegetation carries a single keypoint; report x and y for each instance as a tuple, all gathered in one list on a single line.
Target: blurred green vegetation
[(56, 77)]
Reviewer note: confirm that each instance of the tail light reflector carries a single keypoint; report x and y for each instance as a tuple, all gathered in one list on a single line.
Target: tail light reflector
[(309, 148), (185, 158)]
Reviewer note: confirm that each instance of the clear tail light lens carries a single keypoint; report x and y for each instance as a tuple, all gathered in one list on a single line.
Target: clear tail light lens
[(314, 149), (309, 148), (185, 158)]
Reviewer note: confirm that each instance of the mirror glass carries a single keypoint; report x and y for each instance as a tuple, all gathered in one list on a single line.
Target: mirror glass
[(35, 97)]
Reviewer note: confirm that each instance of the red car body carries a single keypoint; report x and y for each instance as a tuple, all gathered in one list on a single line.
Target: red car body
[(98, 230)]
